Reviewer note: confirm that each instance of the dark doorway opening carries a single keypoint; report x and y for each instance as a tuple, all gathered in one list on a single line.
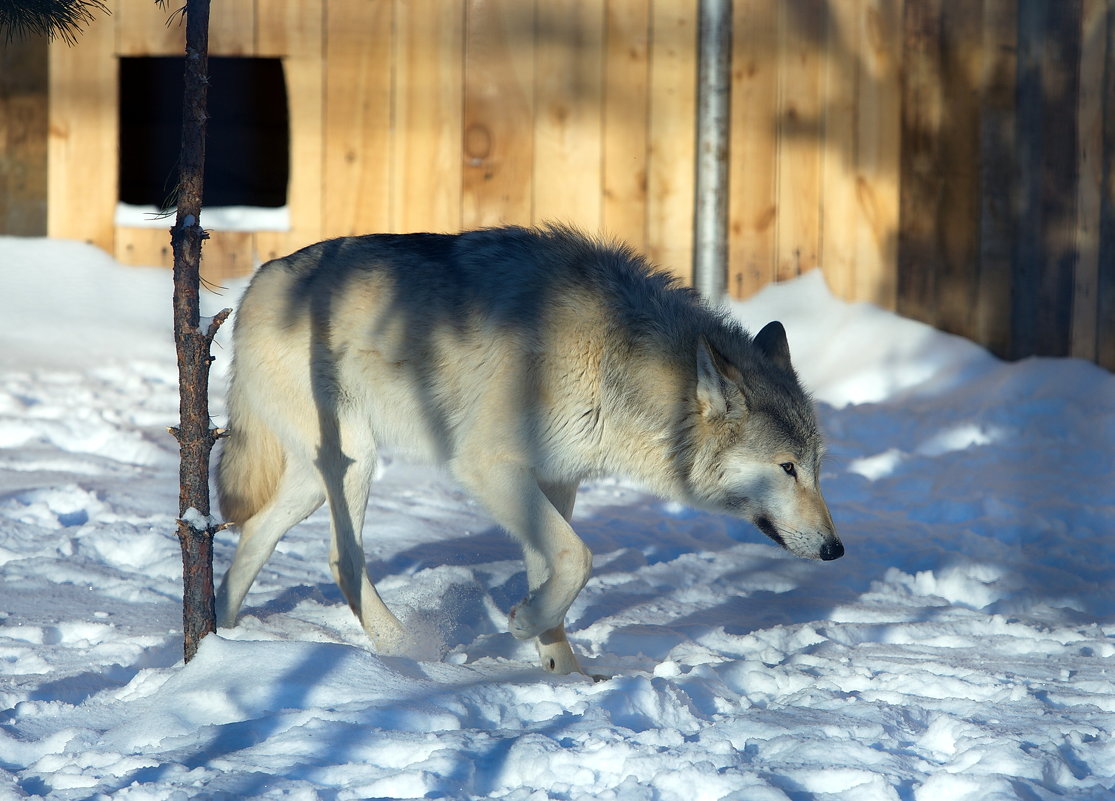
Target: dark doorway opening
[(247, 152)]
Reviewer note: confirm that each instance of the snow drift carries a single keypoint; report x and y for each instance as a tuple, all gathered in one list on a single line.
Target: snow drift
[(962, 649)]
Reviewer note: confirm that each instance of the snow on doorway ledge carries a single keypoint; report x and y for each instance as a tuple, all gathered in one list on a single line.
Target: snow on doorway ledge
[(217, 218)]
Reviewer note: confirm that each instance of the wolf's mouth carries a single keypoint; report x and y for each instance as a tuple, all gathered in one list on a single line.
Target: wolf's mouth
[(766, 526), (829, 550)]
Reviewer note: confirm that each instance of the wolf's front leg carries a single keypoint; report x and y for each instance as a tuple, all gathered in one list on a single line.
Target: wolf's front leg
[(556, 571), (558, 563)]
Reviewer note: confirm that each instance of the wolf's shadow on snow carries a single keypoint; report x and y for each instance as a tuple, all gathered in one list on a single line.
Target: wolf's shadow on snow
[(620, 551)]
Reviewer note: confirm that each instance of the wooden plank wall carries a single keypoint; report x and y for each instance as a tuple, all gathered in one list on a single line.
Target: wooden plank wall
[(23, 127), (952, 160), (1007, 177), (815, 145)]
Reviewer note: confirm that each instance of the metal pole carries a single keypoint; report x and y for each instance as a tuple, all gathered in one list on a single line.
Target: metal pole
[(714, 81)]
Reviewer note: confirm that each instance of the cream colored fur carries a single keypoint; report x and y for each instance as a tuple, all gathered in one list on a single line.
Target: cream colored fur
[(525, 362)]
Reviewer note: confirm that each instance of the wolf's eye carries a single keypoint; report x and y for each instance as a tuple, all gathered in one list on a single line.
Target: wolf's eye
[(790, 469)]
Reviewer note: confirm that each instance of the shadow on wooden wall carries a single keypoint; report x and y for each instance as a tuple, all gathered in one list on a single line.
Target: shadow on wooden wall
[(951, 160)]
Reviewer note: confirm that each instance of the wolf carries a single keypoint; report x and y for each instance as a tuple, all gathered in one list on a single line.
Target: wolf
[(525, 361)]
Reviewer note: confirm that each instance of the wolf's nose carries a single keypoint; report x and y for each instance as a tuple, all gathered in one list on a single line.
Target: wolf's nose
[(832, 550)]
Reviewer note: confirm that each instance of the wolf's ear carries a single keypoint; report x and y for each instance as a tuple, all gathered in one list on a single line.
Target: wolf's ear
[(718, 383), (772, 342)]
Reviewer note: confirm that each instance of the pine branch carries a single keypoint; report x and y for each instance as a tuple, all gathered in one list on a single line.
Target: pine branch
[(54, 18)]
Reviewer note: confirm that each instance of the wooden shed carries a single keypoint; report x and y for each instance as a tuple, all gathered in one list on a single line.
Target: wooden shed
[(951, 160), (427, 115)]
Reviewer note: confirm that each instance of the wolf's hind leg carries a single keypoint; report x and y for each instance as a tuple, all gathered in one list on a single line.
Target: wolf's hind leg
[(347, 483), (298, 493)]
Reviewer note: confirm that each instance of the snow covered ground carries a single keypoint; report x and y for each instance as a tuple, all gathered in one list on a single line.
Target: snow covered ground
[(963, 649)]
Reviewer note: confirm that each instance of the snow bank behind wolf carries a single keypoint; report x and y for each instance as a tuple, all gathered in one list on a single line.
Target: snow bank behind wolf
[(525, 361)]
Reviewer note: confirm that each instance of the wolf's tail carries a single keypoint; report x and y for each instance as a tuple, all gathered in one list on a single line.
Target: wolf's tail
[(251, 463)]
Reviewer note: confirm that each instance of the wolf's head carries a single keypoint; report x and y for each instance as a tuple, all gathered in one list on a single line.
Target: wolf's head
[(756, 451)]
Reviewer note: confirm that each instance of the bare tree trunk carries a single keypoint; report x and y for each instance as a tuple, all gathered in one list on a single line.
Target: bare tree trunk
[(195, 434)]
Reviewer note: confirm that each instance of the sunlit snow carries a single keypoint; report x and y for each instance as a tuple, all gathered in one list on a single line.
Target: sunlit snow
[(963, 649)]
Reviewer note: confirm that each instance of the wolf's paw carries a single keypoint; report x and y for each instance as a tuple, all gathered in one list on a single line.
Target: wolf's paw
[(555, 653), (390, 640), (226, 617), (527, 620)]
